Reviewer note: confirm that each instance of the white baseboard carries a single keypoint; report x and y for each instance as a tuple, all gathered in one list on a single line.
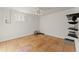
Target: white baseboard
[(10, 38), (56, 36)]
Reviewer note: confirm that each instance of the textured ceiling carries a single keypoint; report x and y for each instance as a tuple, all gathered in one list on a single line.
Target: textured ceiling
[(43, 10)]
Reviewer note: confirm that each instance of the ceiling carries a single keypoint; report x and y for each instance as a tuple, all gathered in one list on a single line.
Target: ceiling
[(41, 10)]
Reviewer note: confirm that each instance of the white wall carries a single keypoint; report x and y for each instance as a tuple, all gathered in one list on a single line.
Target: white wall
[(55, 24), (16, 28)]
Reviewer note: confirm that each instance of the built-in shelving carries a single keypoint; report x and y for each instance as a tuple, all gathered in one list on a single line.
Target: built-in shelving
[(72, 20)]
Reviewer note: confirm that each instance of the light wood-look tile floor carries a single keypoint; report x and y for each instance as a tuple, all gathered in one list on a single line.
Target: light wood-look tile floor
[(36, 43)]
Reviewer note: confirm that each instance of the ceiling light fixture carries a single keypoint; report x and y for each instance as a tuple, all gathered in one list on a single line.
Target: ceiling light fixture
[(37, 11)]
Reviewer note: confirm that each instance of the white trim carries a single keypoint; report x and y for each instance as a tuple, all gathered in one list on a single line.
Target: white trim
[(15, 37), (55, 36), (77, 45)]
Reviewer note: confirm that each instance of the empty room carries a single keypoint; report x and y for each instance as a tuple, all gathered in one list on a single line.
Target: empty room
[(39, 29)]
